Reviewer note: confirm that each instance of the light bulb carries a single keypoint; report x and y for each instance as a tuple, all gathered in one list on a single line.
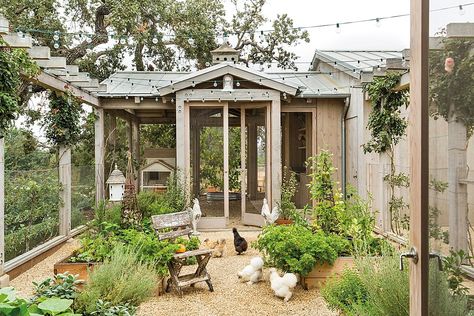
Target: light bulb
[(237, 84), (461, 10), (122, 41), (20, 33), (319, 92), (338, 28), (191, 41), (215, 84), (56, 45), (377, 22), (262, 37), (89, 39), (154, 40), (193, 84), (56, 37), (284, 95), (207, 64)]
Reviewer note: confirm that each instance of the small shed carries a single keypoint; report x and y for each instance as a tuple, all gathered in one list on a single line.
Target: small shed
[(155, 175), (116, 184)]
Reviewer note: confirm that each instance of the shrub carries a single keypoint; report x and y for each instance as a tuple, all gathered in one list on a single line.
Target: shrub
[(288, 189), (296, 249), (378, 287), (122, 279), (343, 292)]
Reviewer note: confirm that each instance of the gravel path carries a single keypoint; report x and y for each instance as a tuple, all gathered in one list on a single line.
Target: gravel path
[(231, 297)]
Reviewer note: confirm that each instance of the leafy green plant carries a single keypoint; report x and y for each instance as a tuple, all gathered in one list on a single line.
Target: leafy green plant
[(62, 120), (122, 279), (60, 286), (345, 291), (387, 127), (288, 189), (294, 248), (107, 309), (452, 266), (435, 230), (378, 287)]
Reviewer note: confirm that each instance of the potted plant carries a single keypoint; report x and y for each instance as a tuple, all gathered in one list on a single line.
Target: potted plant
[(297, 249), (286, 206)]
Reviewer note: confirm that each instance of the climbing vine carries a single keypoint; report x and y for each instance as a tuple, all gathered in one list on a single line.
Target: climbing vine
[(387, 127), (62, 120), (13, 64)]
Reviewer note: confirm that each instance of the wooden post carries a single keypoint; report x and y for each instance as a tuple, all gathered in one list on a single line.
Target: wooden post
[(276, 174), (268, 155), (418, 126), (136, 149), (180, 141), (99, 156), (243, 160), (196, 152), (113, 130), (4, 279), (226, 160), (129, 133), (65, 174)]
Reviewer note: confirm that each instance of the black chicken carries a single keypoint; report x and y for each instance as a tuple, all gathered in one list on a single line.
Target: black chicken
[(240, 243)]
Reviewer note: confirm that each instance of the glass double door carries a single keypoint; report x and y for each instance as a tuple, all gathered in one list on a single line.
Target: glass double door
[(228, 164)]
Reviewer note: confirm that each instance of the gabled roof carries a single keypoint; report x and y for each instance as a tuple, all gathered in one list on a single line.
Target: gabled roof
[(359, 60), (159, 162), (220, 70)]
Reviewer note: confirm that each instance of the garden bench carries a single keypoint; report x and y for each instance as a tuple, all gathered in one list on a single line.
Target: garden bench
[(170, 227)]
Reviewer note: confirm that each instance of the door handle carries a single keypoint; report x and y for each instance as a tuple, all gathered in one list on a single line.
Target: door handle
[(412, 254)]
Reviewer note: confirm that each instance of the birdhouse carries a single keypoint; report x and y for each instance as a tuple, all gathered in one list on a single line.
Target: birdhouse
[(116, 183), (225, 54)]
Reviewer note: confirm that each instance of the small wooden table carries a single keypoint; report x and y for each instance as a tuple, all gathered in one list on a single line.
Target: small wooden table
[(169, 227)]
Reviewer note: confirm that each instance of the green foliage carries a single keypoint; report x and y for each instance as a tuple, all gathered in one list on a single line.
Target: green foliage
[(452, 266), (61, 286), (159, 135), (288, 189), (11, 305), (435, 230), (296, 249), (450, 93), (378, 287), (345, 291), (122, 279), (32, 203), (13, 64), (107, 309), (385, 124), (61, 122)]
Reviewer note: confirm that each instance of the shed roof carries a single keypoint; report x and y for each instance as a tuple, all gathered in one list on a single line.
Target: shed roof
[(361, 60), (158, 83)]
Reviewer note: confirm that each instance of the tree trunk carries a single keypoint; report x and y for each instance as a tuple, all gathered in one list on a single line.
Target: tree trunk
[(457, 192)]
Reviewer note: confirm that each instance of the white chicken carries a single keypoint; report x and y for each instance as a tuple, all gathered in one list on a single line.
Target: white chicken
[(269, 216), (282, 285), (196, 215), (252, 273)]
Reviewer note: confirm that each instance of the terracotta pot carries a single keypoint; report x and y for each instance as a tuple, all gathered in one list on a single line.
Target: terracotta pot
[(283, 221), (321, 273)]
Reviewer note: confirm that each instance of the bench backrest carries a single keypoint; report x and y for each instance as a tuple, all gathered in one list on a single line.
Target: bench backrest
[(173, 225)]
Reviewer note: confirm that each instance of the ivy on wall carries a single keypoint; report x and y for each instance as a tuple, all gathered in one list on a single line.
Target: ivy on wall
[(62, 121), (387, 127), (13, 64)]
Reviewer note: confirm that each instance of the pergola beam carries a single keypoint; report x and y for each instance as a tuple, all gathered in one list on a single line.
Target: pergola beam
[(48, 81)]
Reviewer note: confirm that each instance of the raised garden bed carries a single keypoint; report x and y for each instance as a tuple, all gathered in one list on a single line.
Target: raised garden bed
[(321, 273)]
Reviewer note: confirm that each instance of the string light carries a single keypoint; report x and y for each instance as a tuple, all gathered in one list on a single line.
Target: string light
[(377, 22), (191, 41), (215, 84), (461, 10), (237, 84), (154, 40), (338, 28)]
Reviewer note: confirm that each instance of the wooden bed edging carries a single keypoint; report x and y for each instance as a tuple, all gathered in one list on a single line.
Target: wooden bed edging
[(321, 273)]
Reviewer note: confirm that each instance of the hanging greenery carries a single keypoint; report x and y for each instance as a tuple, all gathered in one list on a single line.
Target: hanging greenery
[(387, 127), (62, 120), (451, 71), (14, 63)]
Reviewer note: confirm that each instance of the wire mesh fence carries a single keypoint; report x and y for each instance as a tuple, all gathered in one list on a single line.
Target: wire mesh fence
[(83, 195)]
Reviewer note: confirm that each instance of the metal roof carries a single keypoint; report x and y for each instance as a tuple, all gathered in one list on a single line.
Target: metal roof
[(148, 83), (360, 60)]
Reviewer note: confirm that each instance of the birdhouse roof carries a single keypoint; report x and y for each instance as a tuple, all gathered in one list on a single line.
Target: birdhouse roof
[(225, 48), (116, 177)]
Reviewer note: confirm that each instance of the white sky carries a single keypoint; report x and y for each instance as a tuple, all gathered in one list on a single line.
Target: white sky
[(391, 35)]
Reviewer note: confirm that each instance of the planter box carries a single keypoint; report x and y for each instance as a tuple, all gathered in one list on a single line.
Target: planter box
[(320, 273), (83, 268), (80, 268), (282, 221)]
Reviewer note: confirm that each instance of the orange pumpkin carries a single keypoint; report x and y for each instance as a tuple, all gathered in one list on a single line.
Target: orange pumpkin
[(182, 248)]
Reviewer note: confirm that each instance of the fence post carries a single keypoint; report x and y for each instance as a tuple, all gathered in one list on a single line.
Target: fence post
[(66, 190), (4, 279), (99, 155)]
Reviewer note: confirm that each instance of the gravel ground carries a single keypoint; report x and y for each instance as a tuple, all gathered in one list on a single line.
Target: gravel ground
[(231, 297), (42, 270)]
